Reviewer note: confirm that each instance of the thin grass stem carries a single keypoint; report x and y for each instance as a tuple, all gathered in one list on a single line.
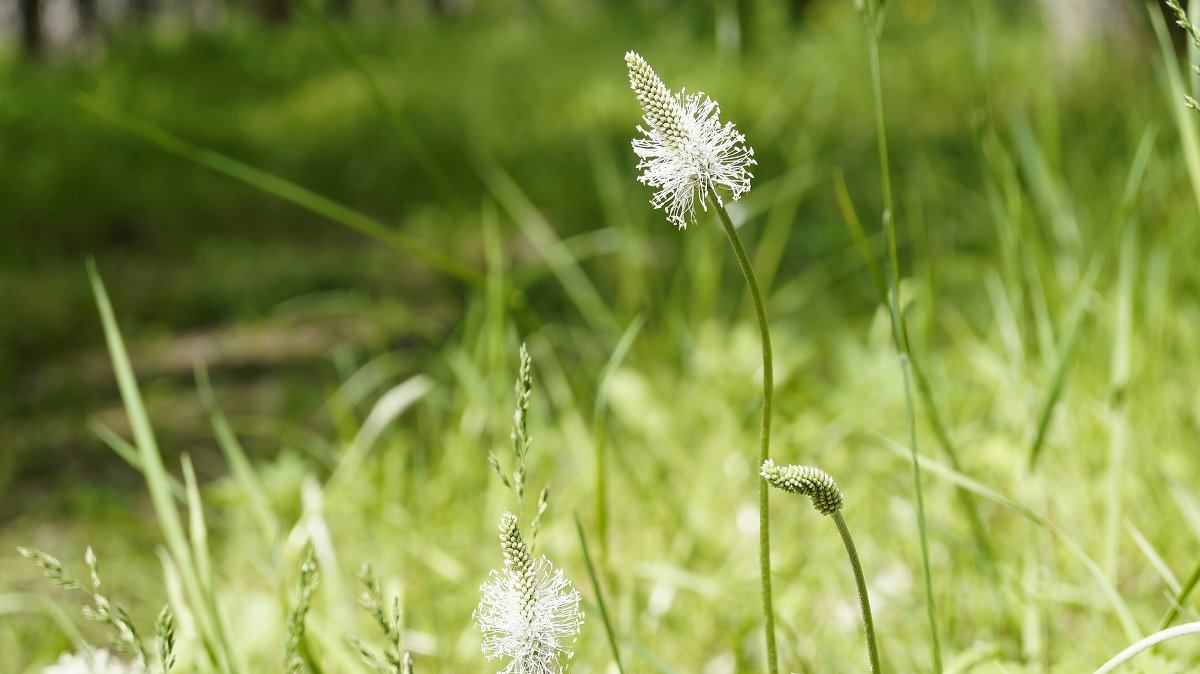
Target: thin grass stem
[(864, 600), (873, 24), (1152, 640), (400, 124), (591, 568), (282, 188), (764, 514), (1188, 586), (600, 429)]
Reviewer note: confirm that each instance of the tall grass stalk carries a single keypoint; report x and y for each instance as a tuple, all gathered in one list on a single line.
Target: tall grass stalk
[(924, 388), (1177, 90), (400, 125), (600, 430), (1119, 608), (200, 596), (1118, 390), (591, 568), (282, 188), (872, 16), (764, 436), (1177, 604)]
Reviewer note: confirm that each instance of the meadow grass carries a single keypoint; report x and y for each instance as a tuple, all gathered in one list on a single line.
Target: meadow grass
[(1043, 292)]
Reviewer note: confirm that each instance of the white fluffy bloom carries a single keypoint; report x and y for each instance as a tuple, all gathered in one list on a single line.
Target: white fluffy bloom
[(101, 663), (686, 152), (528, 612)]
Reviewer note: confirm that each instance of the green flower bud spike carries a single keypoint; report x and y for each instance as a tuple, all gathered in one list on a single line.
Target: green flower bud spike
[(812, 482), (827, 499)]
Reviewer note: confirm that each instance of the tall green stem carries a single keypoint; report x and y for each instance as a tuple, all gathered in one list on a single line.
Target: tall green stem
[(764, 438), (864, 601), (873, 23)]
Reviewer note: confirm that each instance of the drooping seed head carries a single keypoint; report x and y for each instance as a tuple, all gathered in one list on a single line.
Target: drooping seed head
[(812, 482)]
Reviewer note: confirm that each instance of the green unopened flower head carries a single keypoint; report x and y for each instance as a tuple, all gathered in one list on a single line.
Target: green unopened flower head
[(686, 152), (528, 611), (813, 482)]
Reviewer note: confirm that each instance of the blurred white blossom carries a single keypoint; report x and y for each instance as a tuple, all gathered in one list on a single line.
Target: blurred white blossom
[(101, 663)]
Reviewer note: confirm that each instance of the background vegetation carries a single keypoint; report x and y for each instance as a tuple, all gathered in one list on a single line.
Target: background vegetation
[(1047, 217)]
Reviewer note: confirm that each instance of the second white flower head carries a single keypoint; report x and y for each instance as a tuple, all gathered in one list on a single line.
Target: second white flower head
[(685, 151), (528, 611)]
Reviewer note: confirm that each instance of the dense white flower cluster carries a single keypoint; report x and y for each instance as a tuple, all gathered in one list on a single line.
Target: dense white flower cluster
[(686, 152), (528, 611)]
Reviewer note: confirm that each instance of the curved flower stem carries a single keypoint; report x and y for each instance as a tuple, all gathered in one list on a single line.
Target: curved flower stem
[(764, 515), (1152, 640), (863, 600)]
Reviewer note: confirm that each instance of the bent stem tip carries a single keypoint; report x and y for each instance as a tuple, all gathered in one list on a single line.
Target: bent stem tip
[(827, 499)]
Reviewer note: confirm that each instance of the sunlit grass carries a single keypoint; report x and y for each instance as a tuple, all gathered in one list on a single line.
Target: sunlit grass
[(1045, 274)]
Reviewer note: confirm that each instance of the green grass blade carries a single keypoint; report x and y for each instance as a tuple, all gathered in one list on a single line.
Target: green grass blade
[(599, 428), (854, 225), (1119, 374), (157, 479), (1066, 358), (633, 286), (390, 406), (400, 124), (235, 456), (1185, 118), (1188, 585), (563, 264), (198, 534), (608, 628), (1137, 175), (129, 454), (282, 188), (1118, 606), (771, 245), (1156, 561), (19, 603), (197, 529)]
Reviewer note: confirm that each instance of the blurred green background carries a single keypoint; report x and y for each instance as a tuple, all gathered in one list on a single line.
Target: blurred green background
[(998, 113)]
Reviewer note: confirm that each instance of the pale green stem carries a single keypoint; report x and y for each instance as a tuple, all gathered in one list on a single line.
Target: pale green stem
[(899, 334), (764, 514), (864, 601), (1152, 640)]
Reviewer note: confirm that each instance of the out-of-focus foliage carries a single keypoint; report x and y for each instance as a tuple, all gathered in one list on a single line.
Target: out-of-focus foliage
[(995, 132)]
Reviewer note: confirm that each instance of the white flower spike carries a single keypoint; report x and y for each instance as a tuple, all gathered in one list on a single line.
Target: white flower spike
[(529, 612), (686, 152)]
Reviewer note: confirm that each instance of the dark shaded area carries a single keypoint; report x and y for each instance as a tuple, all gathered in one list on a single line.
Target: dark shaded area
[(191, 256)]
